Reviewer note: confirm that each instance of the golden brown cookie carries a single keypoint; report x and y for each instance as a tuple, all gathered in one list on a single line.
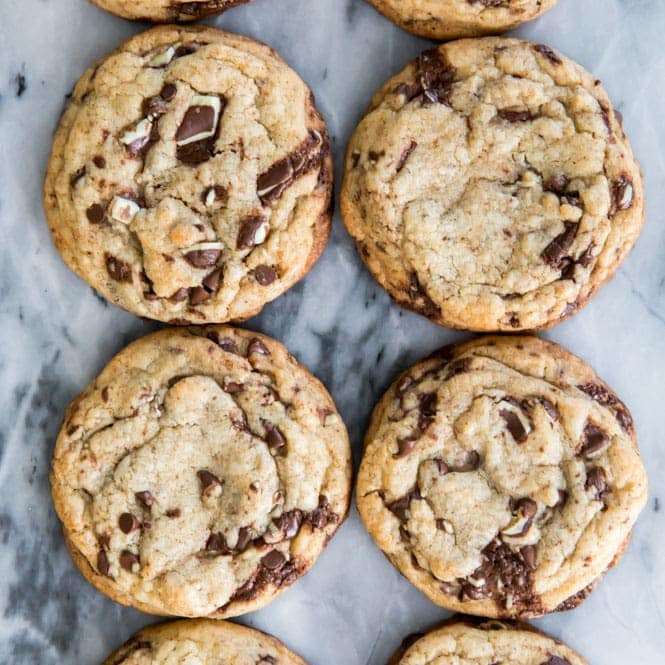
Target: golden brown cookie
[(191, 177), (452, 19), (470, 641), (166, 10), (201, 474), (490, 186), (502, 477), (202, 642)]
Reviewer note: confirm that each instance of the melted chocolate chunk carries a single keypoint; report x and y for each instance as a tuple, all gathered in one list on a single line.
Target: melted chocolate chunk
[(128, 523), (265, 275), (267, 659), (274, 437), (145, 498), (406, 153), (225, 343), (250, 233), (404, 447), (420, 300), (436, 76), (400, 507), (504, 574), (118, 270), (216, 545), (103, 566), (210, 483), (594, 440), (256, 346), (128, 560), (548, 53), (203, 258), (322, 514), (512, 115), (96, 213), (596, 481), (514, 425), (622, 193), (289, 523), (555, 253)]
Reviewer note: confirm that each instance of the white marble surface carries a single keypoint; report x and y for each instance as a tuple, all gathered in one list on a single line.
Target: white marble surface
[(353, 608)]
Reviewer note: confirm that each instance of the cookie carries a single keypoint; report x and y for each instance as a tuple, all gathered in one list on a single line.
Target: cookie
[(490, 186), (202, 641), (469, 641), (501, 477), (451, 19), (190, 178), (201, 474), (166, 10)]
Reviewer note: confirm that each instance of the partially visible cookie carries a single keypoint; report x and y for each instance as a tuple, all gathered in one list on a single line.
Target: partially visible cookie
[(451, 19), (166, 10), (190, 179), (502, 477), (469, 641), (490, 186), (201, 474), (202, 642)]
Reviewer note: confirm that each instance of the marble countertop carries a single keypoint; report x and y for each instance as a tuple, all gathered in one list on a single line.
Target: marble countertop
[(353, 608)]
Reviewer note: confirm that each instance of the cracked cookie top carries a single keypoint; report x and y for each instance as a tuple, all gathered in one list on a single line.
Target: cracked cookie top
[(490, 186), (166, 10), (467, 641), (202, 642), (451, 19), (502, 477), (201, 473), (190, 177)]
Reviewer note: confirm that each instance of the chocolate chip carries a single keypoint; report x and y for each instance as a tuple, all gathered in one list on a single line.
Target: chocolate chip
[(203, 258), (99, 161), (103, 563), (289, 523), (557, 249), (244, 539), (596, 481), (256, 346), (274, 560), (436, 76), (528, 553), (173, 513), (274, 181), (212, 281), (145, 498), (514, 425), (420, 299), (128, 560), (199, 121), (96, 213), (188, 48), (622, 193), (128, 522), (427, 407), (118, 270), (556, 660), (265, 275), (594, 440), (400, 507), (472, 463), (527, 507), (406, 153), (216, 545), (512, 115), (180, 295), (168, 92), (225, 343), (274, 437), (404, 446), (556, 183), (210, 483), (548, 53), (269, 660), (232, 387), (252, 232), (322, 514)]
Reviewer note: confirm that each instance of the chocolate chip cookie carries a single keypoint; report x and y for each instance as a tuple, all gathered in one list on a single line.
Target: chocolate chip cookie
[(490, 186), (451, 19), (201, 474), (166, 10), (190, 179), (502, 477), (202, 641), (468, 641)]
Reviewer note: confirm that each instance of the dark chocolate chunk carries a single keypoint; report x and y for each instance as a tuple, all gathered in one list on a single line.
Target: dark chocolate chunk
[(128, 560), (96, 213), (197, 120), (103, 563), (548, 53), (622, 193), (514, 425), (265, 275), (210, 483), (436, 76), (256, 346), (596, 481), (274, 437), (99, 161), (128, 522), (118, 270), (250, 233), (203, 258), (513, 115), (594, 440), (145, 498), (404, 447), (406, 153), (322, 514), (555, 253), (274, 560)]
